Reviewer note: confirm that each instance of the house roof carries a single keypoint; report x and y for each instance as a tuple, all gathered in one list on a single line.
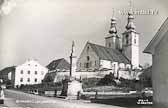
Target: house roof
[(157, 38), (109, 53), (7, 69), (60, 64), (49, 77)]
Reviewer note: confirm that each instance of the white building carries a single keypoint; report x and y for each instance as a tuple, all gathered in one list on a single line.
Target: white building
[(31, 72), (119, 52), (158, 47)]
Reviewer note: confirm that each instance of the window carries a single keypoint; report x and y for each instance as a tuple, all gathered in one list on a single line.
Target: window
[(35, 80), (127, 39), (80, 64), (36, 72), (87, 48), (28, 64), (88, 58), (86, 65), (21, 71), (135, 40), (114, 67), (95, 63), (28, 79), (21, 79), (35, 65), (28, 71)]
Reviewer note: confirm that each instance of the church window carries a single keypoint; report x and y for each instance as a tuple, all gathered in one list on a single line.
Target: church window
[(88, 58), (135, 41), (87, 48), (127, 39), (87, 65), (114, 66)]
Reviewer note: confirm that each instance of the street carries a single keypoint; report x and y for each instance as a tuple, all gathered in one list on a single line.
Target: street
[(16, 99)]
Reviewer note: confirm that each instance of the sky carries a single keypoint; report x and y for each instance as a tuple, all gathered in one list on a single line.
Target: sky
[(44, 29)]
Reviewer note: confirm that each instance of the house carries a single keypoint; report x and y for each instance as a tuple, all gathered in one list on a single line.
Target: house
[(158, 48), (59, 65), (119, 52), (146, 77), (29, 73), (58, 69), (7, 75)]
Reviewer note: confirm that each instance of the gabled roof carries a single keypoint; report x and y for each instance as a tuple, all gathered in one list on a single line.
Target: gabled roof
[(109, 54), (157, 38), (60, 64), (49, 77), (7, 69)]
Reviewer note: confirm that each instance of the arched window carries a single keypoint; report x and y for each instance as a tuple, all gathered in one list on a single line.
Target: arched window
[(87, 48), (135, 40), (127, 39), (88, 58)]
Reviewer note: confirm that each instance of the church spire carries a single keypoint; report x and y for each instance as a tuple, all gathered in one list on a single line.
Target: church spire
[(113, 40), (130, 24), (130, 40), (113, 29)]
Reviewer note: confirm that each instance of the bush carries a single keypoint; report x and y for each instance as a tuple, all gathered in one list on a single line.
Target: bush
[(107, 80), (90, 82)]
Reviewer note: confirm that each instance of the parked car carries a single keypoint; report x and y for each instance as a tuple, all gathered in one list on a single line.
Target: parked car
[(147, 92)]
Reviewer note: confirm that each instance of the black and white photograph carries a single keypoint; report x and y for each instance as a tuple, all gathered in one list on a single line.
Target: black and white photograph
[(83, 54)]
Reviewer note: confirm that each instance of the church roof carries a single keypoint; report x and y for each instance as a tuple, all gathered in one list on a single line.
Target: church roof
[(109, 53)]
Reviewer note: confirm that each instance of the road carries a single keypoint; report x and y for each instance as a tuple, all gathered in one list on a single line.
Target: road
[(16, 99)]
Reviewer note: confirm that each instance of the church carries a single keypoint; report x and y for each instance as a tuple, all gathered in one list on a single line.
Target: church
[(120, 52)]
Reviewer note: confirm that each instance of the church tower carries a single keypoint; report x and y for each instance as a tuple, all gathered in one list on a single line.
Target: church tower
[(130, 41), (112, 41)]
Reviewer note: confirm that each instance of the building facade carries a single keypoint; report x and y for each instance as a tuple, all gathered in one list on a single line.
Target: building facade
[(31, 72), (119, 52), (158, 48)]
